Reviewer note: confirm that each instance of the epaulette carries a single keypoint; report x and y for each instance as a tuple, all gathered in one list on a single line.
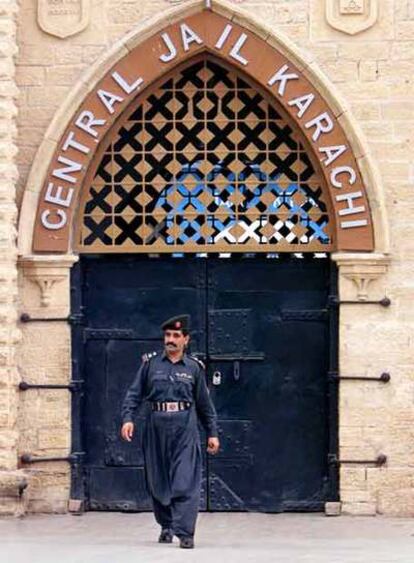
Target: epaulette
[(198, 361), (147, 356)]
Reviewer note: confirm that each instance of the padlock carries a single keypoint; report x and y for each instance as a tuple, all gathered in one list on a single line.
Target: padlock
[(216, 378)]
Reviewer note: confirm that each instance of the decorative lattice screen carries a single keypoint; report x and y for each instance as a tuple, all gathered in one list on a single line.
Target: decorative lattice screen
[(205, 163)]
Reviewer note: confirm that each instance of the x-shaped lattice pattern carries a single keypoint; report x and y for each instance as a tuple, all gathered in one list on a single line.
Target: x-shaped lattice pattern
[(206, 160)]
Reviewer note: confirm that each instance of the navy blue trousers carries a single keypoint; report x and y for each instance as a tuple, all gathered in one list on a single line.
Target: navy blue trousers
[(173, 463), (180, 515)]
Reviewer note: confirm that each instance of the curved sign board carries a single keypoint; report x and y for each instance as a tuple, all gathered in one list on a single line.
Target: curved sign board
[(161, 53)]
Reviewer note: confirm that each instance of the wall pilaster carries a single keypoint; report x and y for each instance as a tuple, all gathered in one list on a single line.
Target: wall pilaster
[(12, 480)]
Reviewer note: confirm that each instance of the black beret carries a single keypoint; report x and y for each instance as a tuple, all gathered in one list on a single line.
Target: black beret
[(179, 322)]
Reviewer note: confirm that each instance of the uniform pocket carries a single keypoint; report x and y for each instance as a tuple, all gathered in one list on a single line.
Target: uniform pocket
[(159, 379), (184, 381), (184, 390), (160, 385)]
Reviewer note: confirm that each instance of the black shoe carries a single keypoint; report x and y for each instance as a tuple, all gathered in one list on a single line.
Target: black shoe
[(166, 536), (187, 542)]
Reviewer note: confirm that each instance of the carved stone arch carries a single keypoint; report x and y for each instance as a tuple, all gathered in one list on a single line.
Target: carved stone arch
[(63, 159)]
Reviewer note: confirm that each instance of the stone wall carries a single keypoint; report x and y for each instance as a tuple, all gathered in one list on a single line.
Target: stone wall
[(373, 70), (9, 333), (44, 414)]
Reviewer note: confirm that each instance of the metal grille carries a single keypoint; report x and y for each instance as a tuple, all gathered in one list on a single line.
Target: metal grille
[(205, 163)]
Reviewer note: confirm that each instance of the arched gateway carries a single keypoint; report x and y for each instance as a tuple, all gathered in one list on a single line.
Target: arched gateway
[(295, 100), (206, 173)]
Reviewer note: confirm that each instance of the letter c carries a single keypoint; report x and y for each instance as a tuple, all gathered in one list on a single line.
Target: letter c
[(48, 225), (342, 170)]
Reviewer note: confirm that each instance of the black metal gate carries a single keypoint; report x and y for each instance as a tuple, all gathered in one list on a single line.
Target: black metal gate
[(264, 326)]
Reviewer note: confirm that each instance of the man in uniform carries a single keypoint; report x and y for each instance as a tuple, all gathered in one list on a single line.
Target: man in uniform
[(174, 386)]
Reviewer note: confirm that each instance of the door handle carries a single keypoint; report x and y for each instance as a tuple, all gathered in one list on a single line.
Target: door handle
[(236, 370)]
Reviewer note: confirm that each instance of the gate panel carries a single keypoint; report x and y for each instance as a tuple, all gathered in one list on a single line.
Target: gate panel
[(262, 326), (270, 390), (125, 301)]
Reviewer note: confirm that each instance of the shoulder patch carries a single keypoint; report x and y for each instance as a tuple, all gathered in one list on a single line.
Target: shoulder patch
[(147, 356), (200, 363)]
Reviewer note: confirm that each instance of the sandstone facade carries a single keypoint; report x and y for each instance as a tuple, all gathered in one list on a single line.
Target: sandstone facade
[(372, 72)]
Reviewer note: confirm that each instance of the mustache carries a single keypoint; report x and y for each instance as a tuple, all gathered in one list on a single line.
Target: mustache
[(171, 344)]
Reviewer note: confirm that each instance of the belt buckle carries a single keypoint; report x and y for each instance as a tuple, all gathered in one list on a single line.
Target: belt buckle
[(172, 407)]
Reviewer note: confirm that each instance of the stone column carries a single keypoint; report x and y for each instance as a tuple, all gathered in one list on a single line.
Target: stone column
[(45, 359), (12, 481), (363, 404)]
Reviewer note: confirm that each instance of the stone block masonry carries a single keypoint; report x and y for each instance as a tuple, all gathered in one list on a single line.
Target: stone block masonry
[(373, 71), (12, 480)]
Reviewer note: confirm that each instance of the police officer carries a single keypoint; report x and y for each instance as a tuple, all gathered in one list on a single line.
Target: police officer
[(174, 387)]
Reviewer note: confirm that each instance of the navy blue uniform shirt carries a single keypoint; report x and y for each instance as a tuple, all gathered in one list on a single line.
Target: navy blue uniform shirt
[(159, 379)]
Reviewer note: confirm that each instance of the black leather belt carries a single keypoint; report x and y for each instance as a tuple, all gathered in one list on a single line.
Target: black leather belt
[(170, 406)]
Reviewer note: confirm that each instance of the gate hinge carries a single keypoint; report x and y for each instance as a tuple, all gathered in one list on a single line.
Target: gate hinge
[(380, 460), (334, 301), (75, 385), (72, 319), (333, 376), (73, 458)]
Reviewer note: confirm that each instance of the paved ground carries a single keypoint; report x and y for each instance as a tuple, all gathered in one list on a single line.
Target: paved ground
[(220, 538)]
